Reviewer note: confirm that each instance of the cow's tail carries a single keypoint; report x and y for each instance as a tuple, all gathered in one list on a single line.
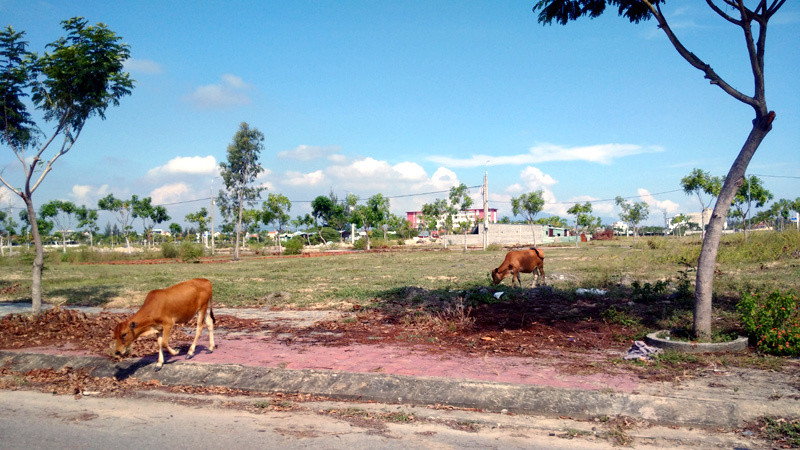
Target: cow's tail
[(211, 311), (541, 256)]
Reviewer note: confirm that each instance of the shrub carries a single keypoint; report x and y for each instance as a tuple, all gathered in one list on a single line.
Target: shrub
[(293, 247), (169, 250), (772, 321), (375, 242), (191, 252)]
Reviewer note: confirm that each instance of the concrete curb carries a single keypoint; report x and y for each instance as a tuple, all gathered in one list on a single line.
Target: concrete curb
[(488, 396), (736, 345)]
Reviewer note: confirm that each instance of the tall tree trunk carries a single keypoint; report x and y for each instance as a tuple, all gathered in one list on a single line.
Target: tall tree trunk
[(708, 254), (38, 259)]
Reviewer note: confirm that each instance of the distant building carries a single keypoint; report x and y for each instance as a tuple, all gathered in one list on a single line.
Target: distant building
[(472, 215)]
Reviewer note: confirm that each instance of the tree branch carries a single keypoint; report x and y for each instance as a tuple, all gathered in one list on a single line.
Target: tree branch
[(722, 13), (696, 62)]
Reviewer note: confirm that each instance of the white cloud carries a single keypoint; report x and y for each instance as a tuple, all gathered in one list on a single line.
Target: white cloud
[(228, 93), (169, 193), (308, 152), (191, 165), (86, 194), (304, 179), (666, 205), (410, 171), (601, 154), (142, 66)]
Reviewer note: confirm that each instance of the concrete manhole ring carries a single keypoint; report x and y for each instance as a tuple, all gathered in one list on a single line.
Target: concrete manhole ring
[(736, 345)]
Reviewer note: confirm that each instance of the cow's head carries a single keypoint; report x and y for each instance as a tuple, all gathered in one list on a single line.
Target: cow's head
[(498, 276), (123, 337)]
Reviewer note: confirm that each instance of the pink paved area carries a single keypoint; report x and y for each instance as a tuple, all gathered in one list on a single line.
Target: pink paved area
[(388, 359)]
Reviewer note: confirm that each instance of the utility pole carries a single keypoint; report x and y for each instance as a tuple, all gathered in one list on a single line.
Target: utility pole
[(486, 208), (212, 217)]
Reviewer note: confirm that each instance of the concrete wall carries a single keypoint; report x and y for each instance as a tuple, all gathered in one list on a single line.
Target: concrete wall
[(500, 233)]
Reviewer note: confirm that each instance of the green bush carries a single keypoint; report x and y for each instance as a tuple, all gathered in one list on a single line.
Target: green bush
[(169, 250), (191, 252), (772, 321), (374, 243), (293, 247)]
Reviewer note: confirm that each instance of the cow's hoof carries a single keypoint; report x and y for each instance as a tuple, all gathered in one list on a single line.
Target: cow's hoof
[(189, 356), (158, 368), (211, 350)]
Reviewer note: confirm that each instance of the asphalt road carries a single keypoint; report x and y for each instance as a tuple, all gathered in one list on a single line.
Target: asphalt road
[(33, 420)]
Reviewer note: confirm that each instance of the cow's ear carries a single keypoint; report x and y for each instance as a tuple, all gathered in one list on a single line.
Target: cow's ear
[(133, 325)]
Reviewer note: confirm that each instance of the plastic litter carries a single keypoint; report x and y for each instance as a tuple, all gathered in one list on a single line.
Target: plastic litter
[(497, 295), (641, 351), (591, 291)]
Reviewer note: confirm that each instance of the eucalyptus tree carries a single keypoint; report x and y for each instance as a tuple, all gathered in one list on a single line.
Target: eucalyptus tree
[(275, 211), (239, 173), (528, 205), (753, 23), (80, 76), (632, 213)]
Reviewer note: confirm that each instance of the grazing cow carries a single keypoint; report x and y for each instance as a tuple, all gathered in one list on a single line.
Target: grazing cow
[(162, 309), (525, 261)]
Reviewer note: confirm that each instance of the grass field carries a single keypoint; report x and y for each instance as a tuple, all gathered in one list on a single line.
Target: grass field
[(768, 261)]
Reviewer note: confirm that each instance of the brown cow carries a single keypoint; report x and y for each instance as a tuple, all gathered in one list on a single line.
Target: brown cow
[(162, 309), (525, 261)]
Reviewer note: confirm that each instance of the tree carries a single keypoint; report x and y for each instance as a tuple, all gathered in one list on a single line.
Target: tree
[(200, 218), (755, 43), (432, 214), (750, 191), (372, 214), (62, 214), (460, 200), (322, 208), (680, 222), (151, 215), (251, 220), (123, 210), (632, 213), (582, 217), (175, 230), (80, 77), (7, 226), (528, 205), (276, 211), (700, 182), (87, 219), (238, 173)]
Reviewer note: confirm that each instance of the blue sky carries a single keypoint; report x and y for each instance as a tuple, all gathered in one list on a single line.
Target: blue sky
[(410, 97)]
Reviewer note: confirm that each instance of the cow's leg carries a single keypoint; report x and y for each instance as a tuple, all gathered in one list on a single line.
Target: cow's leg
[(515, 276), (160, 341), (167, 331), (201, 316), (210, 326), (541, 275)]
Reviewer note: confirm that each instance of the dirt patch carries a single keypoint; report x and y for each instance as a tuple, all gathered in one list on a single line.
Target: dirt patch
[(579, 335)]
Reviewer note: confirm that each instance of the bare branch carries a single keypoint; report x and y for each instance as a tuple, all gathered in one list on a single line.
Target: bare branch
[(722, 13), (698, 63)]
